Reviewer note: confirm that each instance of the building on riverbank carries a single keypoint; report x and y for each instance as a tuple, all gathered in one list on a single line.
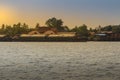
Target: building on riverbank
[(48, 34), (44, 29), (107, 36)]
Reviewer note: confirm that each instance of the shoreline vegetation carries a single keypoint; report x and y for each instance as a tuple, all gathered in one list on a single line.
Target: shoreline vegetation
[(55, 31)]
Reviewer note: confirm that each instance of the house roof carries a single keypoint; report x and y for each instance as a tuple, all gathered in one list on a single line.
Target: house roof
[(44, 29), (107, 32), (33, 32)]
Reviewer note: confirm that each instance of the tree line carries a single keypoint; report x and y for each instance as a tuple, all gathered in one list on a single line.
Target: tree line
[(17, 29)]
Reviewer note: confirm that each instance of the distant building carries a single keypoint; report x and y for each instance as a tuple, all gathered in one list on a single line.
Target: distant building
[(67, 34), (92, 33), (33, 35), (33, 32), (108, 35), (106, 32), (101, 34), (43, 29), (49, 32), (1, 36)]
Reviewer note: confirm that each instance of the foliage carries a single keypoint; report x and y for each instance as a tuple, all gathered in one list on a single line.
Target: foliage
[(107, 28), (16, 29), (113, 28), (56, 23), (116, 29), (81, 31), (53, 22), (37, 26)]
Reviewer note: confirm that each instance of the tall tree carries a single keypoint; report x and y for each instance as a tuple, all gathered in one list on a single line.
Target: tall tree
[(16, 29), (81, 30), (116, 29), (37, 26), (2, 30), (55, 23), (107, 28)]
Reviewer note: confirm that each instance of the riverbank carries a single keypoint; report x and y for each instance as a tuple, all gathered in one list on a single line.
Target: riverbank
[(55, 40), (44, 39)]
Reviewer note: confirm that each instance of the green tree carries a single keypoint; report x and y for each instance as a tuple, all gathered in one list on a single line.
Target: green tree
[(91, 30), (116, 29), (2, 30), (81, 31), (107, 28), (37, 26), (9, 31), (25, 28), (16, 29), (113, 28), (55, 23), (66, 28)]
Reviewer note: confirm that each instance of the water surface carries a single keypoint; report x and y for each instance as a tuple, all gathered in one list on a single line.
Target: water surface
[(60, 61)]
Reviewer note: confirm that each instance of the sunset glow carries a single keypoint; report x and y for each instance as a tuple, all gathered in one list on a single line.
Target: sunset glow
[(7, 15), (73, 12)]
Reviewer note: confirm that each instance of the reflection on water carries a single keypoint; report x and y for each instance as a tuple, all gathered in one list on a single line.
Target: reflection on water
[(60, 61)]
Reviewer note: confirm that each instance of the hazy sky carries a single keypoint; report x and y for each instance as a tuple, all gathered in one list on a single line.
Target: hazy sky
[(72, 12)]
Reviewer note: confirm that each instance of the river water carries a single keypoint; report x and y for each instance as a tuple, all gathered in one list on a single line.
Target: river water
[(60, 61)]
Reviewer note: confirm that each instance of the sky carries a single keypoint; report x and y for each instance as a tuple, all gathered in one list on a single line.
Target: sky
[(73, 12)]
